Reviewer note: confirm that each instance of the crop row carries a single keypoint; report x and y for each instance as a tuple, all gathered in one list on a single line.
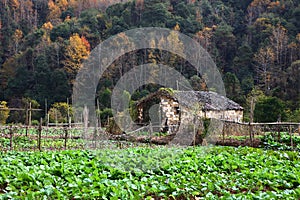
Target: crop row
[(141, 173)]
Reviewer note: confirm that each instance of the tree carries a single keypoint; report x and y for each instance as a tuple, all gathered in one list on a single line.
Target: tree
[(27, 15), (279, 43), (233, 87), (197, 83), (174, 43), (204, 37), (18, 35), (77, 51), (104, 98), (54, 14), (295, 19), (155, 14), (265, 61), (93, 25), (118, 26), (48, 28), (8, 71), (182, 10), (55, 10), (253, 96), (259, 32), (243, 62), (139, 7), (295, 116), (293, 83), (256, 9), (4, 112), (269, 109), (15, 5), (247, 84), (226, 44)]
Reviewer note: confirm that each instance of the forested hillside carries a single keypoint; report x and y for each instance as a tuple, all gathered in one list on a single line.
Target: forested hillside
[(255, 44)]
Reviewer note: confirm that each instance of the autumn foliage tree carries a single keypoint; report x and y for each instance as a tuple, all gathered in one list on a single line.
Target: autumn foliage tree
[(77, 50), (254, 43)]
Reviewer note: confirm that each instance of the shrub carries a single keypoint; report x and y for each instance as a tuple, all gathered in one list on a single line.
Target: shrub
[(59, 111), (4, 112), (35, 122)]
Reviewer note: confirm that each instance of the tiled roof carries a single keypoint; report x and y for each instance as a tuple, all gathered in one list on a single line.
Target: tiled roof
[(209, 100)]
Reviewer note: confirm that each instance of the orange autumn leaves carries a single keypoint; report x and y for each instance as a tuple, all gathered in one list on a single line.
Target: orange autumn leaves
[(76, 52)]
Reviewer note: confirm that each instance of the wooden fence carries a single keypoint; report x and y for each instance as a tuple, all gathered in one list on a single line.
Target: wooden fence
[(77, 137), (250, 133), (40, 138)]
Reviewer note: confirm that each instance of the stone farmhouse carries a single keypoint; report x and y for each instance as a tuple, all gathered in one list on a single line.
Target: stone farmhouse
[(167, 108)]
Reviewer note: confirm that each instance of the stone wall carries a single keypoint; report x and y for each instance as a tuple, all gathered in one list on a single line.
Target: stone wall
[(229, 115), (170, 114)]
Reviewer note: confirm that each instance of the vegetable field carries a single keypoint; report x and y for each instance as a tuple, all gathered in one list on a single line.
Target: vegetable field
[(35, 138), (151, 173)]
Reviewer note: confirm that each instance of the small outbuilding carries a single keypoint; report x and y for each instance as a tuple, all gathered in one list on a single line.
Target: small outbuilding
[(168, 108)]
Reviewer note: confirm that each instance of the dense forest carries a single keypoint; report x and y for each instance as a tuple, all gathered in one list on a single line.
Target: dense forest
[(255, 44)]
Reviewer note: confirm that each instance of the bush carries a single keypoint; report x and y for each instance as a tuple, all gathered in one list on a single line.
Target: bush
[(59, 111), (104, 115), (4, 112), (113, 127), (35, 122), (295, 116)]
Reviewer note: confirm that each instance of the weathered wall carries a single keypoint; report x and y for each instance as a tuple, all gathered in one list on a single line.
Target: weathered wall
[(170, 113), (172, 116), (229, 115)]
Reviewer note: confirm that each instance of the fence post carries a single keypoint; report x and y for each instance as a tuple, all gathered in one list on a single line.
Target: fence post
[(66, 137), (11, 133), (26, 131), (150, 129), (291, 135), (30, 114), (95, 135), (40, 134), (278, 133), (223, 133), (250, 133)]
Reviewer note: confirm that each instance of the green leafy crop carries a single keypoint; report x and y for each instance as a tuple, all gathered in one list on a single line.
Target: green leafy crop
[(145, 173)]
